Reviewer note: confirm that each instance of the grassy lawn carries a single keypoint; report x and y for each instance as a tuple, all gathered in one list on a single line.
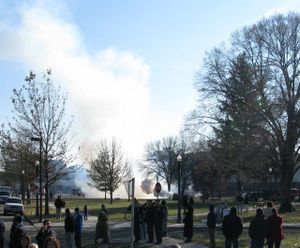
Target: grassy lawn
[(118, 209)]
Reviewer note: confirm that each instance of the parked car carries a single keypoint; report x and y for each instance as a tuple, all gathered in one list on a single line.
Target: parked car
[(3, 196), (295, 194), (13, 205), (77, 192)]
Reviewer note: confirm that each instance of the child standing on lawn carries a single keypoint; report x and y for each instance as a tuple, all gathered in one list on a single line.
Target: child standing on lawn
[(85, 212)]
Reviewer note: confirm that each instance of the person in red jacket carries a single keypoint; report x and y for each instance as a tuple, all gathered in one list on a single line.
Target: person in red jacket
[(275, 234)]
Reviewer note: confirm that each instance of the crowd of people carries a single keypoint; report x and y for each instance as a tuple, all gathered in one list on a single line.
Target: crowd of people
[(46, 236), (149, 218), (264, 229), (150, 225)]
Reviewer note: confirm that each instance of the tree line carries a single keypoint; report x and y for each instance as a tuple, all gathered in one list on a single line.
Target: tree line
[(246, 120)]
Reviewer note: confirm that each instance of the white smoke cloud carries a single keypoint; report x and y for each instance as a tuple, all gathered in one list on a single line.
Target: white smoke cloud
[(108, 90), (147, 186)]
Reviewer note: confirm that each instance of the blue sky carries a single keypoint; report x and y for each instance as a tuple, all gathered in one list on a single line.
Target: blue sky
[(128, 66)]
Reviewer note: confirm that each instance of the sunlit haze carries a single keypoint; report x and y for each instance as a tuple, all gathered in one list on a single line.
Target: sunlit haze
[(128, 66)]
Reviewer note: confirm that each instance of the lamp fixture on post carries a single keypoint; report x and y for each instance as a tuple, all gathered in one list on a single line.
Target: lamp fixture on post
[(23, 186), (271, 193), (179, 158), (40, 140), (37, 166)]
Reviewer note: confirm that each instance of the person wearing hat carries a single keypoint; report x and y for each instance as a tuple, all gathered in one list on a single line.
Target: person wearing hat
[(275, 233), (258, 230), (232, 227)]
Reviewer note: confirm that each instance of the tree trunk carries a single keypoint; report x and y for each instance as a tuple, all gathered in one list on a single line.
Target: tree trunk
[(47, 190), (287, 166), (105, 190), (111, 197), (239, 185), (286, 184), (169, 187)]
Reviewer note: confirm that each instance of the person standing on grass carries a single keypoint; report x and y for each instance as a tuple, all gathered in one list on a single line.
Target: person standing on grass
[(150, 220), (165, 218), (275, 233), (78, 227), (158, 220), (44, 232), (232, 227), (104, 209), (136, 220), (211, 225), (70, 229), (142, 221), (258, 230), (189, 221), (85, 212), (58, 203), (102, 229), (17, 233)]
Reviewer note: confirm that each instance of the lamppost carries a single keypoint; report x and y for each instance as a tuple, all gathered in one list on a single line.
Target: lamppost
[(39, 139), (37, 165), (271, 193), (23, 186), (179, 158)]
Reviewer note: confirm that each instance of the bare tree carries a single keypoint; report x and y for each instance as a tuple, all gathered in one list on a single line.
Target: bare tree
[(39, 111), (128, 176), (107, 167), (160, 160), (16, 156), (272, 49)]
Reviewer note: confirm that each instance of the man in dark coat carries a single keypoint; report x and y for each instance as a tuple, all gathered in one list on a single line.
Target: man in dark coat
[(59, 204), (102, 228), (188, 223), (17, 233), (258, 230), (158, 219), (232, 227), (149, 217), (70, 229), (44, 232), (275, 234), (136, 220), (211, 225)]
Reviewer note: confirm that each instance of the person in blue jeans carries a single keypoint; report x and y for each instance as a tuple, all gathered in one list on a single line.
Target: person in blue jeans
[(78, 228), (232, 227)]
